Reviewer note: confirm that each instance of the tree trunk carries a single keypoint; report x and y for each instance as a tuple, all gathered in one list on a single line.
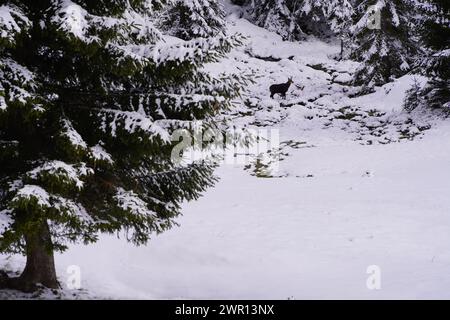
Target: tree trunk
[(40, 266)]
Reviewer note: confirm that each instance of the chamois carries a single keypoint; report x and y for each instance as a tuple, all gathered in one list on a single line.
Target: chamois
[(281, 89)]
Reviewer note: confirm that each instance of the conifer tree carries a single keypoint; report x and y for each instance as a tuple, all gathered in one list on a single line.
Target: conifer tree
[(435, 63), (293, 19), (386, 51), (279, 16), (89, 97), (189, 19), (339, 15), (326, 17)]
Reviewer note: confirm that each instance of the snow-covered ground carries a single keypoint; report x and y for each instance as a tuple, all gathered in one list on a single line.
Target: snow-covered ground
[(360, 183)]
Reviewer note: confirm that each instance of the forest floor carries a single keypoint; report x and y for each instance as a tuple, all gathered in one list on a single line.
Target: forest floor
[(358, 183)]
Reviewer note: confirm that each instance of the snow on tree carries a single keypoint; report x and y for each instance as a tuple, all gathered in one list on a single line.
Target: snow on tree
[(277, 16), (339, 15), (386, 51), (89, 98), (293, 19), (435, 63), (313, 16), (189, 19), (325, 17)]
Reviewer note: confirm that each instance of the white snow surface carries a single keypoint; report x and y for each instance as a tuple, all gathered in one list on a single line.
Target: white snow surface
[(346, 197), (298, 238)]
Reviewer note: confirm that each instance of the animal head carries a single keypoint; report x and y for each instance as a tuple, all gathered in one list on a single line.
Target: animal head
[(290, 81)]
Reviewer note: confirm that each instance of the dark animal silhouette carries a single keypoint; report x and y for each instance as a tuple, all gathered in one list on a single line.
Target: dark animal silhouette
[(281, 89)]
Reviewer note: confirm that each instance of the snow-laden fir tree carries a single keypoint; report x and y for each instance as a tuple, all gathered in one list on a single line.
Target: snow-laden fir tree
[(89, 97), (285, 17), (326, 18), (435, 63), (189, 19), (339, 14), (293, 19), (312, 15), (386, 48), (278, 16)]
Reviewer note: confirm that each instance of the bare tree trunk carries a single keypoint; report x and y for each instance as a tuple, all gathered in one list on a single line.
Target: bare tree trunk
[(40, 266), (341, 37)]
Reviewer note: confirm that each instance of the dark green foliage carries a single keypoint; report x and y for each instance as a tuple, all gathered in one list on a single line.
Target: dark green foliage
[(89, 97), (277, 16), (435, 61), (386, 51), (190, 19), (294, 19), (435, 34), (239, 2), (437, 94)]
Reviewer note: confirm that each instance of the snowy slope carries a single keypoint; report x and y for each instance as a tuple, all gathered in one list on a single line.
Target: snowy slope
[(360, 183), (301, 238)]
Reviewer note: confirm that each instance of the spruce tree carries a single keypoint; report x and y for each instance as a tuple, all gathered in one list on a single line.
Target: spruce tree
[(339, 15), (278, 16), (189, 19), (326, 18), (89, 97), (312, 15), (435, 63), (386, 52), (293, 19)]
